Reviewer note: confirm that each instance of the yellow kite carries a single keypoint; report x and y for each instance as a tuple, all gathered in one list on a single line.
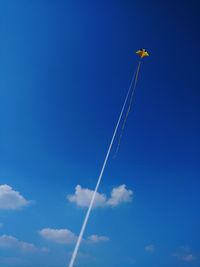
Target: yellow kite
[(142, 53)]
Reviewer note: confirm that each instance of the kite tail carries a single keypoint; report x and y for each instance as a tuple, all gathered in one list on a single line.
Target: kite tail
[(129, 107)]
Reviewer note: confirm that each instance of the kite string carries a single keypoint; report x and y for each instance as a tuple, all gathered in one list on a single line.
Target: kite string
[(129, 108), (74, 255)]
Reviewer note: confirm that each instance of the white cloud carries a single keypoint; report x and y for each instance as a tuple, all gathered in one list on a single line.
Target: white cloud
[(97, 239), (62, 236), (149, 248), (82, 197), (65, 236), (119, 195), (11, 242), (10, 199)]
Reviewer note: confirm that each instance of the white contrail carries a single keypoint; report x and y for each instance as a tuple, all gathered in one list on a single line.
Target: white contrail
[(73, 258)]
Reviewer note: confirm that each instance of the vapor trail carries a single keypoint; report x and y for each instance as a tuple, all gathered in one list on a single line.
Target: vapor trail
[(74, 255)]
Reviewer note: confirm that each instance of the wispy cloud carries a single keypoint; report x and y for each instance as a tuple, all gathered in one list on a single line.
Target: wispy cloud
[(11, 199), (11, 242), (1, 225), (188, 257), (82, 197), (185, 254), (65, 236), (97, 238), (149, 248), (11, 261)]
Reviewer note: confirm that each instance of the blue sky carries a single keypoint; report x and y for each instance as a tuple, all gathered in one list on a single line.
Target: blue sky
[(65, 67)]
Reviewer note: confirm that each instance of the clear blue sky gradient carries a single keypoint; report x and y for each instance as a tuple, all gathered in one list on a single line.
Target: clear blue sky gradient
[(65, 67)]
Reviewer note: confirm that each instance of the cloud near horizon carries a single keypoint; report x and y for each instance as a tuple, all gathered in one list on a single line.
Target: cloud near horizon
[(118, 195), (11, 242), (65, 236), (11, 199)]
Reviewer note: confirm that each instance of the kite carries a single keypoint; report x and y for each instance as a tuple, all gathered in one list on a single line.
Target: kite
[(142, 53)]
